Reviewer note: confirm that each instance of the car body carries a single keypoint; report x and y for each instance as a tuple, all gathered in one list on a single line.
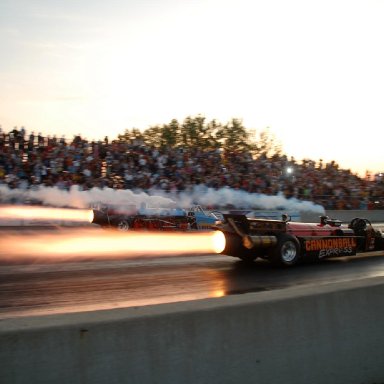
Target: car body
[(154, 219), (286, 243)]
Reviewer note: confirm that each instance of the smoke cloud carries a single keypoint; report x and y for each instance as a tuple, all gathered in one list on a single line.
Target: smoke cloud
[(204, 196)]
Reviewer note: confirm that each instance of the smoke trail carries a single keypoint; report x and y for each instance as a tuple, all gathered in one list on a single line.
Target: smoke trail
[(208, 197), (76, 198), (241, 200)]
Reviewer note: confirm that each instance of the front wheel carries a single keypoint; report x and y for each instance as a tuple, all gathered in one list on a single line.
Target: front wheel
[(286, 252)]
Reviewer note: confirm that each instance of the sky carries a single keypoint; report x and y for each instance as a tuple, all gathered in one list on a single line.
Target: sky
[(312, 72)]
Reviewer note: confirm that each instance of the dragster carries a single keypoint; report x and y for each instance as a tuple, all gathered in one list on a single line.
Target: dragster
[(287, 243), (154, 219)]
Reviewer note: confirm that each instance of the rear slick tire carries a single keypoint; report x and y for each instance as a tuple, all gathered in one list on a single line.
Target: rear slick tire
[(123, 226)]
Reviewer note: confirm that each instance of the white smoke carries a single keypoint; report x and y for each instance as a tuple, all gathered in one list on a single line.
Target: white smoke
[(77, 198), (234, 198), (207, 197)]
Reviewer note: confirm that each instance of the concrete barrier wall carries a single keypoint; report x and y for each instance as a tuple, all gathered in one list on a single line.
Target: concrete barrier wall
[(327, 334), (375, 216)]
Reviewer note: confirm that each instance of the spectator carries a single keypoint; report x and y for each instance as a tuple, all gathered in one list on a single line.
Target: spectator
[(28, 161)]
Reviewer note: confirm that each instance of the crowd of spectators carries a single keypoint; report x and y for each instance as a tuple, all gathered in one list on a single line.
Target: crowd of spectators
[(30, 160)]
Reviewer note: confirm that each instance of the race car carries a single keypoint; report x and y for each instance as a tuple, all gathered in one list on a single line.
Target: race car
[(154, 219), (287, 243)]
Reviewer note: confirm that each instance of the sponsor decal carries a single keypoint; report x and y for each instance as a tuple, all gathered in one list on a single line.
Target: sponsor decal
[(335, 252), (328, 247)]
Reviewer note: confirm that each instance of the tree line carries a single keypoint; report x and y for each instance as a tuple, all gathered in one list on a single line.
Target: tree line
[(197, 132)]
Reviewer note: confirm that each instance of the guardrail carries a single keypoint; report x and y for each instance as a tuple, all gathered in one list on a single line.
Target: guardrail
[(375, 216), (325, 334)]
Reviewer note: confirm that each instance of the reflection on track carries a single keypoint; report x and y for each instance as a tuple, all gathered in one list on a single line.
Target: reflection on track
[(36, 289)]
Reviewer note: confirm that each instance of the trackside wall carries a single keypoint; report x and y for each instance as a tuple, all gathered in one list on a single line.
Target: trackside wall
[(326, 334), (375, 216)]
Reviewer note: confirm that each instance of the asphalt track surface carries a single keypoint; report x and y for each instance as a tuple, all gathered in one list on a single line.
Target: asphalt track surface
[(28, 289)]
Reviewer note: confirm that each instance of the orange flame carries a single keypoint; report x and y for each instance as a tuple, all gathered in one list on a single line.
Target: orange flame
[(75, 244), (28, 212)]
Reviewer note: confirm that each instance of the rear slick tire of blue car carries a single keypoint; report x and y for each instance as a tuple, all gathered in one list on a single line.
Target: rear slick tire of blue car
[(123, 226)]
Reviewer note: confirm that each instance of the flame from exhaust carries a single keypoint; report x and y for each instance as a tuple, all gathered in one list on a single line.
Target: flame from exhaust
[(71, 244), (28, 212), (218, 239)]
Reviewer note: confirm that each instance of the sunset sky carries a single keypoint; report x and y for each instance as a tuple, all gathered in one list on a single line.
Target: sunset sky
[(311, 71)]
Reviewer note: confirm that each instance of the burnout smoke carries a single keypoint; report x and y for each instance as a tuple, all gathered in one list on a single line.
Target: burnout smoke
[(202, 195)]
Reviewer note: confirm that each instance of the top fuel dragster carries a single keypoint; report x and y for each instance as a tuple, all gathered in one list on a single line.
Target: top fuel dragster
[(286, 243), (154, 219)]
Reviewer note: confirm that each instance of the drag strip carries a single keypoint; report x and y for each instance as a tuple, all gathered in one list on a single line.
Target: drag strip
[(28, 289)]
